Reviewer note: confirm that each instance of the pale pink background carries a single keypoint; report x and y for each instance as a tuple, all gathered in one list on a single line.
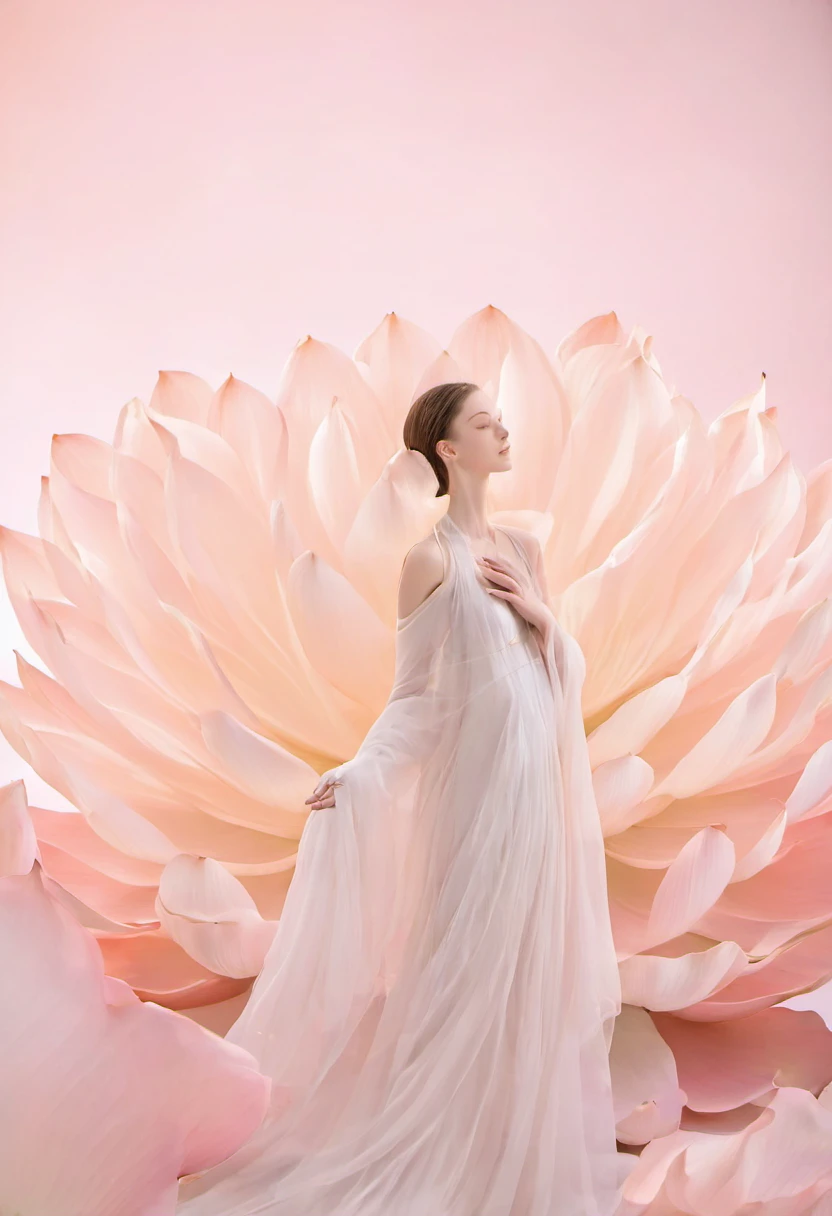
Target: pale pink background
[(199, 185)]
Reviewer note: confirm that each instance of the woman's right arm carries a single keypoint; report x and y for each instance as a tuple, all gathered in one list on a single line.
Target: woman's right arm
[(400, 735)]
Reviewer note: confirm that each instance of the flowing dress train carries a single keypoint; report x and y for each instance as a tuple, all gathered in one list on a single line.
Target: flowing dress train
[(437, 1006)]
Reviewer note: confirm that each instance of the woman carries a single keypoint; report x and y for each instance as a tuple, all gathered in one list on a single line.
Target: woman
[(437, 1006)]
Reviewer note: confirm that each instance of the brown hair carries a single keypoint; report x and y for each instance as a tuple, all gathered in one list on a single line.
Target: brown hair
[(429, 419)]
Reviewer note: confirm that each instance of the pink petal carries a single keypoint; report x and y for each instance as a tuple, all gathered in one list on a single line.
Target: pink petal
[(646, 1093), (120, 902), (797, 966), (158, 969), (814, 785), (18, 843), (724, 1064), (87, 1069)]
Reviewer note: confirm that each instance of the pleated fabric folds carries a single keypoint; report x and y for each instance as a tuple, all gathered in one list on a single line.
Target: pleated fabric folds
[(437, 1006)]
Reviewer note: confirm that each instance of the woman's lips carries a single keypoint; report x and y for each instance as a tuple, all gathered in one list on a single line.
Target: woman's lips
[(505, 449)]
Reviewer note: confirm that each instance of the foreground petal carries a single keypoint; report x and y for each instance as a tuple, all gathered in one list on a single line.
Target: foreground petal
[(106, 1101)]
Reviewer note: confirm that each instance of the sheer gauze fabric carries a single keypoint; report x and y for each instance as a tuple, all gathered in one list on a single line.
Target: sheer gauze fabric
[(437, 1006)]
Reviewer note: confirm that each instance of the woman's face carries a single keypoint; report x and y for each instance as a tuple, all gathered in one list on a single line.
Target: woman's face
[(478, 440)]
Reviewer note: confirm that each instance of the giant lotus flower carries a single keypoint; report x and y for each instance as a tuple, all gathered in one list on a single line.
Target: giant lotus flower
[(213, 597)]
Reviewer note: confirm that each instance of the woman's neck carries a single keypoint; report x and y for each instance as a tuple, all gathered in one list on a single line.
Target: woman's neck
[(467, 510)]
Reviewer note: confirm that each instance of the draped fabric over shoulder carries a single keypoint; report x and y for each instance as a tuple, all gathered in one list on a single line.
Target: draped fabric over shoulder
[(436, 1008)]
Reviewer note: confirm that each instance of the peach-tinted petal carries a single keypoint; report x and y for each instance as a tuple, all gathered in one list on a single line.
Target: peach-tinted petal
[(655, 981), (26, 566), (264, 768), (620, 787), (635, 722), (220, 1016), (325, 608), (400, 509), (738, 732), (182, 395), (136, 437), (536, 409), (203, 447), (392, 359), (479, 346), (158, 969), (315, 373), (121, 902), (343, 464), (255, 429), (72, 834), (212, 916), (598, 331), (692, 883)]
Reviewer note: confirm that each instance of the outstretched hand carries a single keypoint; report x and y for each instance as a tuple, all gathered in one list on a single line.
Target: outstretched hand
[(517, 587), (323, 794)]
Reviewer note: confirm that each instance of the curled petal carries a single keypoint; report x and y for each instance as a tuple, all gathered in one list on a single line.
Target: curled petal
[(655, 981), (620, 787), (212, 916), (646, 1093)]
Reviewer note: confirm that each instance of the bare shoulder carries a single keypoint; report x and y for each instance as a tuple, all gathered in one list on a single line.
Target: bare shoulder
[(423, 570)]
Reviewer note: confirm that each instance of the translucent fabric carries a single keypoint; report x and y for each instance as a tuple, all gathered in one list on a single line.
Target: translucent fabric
[(437, 1005)]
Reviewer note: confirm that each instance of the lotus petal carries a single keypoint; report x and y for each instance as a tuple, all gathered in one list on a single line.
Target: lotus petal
[(212, 916), (211, 606), (88, 1067)]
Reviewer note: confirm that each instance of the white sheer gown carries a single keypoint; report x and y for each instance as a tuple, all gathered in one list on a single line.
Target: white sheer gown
[(437, 1006)]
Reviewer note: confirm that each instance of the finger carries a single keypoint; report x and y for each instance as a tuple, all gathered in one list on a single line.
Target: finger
[(319, 788), (325, 800), (504, 580), (502, 563), (491, 565)]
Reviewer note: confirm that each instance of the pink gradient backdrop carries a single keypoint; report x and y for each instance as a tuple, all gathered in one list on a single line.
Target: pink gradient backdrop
[(199, 185)]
